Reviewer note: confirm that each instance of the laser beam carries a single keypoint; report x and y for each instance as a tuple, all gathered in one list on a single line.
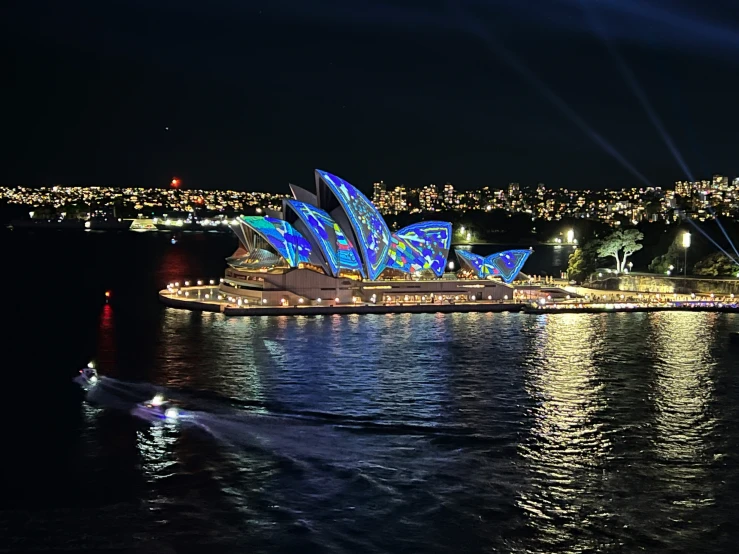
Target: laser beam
[(515, 63)]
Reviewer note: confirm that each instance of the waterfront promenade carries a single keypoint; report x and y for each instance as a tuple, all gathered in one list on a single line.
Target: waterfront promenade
[(206, 298), (196, 300)]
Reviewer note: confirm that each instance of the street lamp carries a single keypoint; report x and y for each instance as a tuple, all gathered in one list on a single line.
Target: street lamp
[(451, 266), (686, 245)]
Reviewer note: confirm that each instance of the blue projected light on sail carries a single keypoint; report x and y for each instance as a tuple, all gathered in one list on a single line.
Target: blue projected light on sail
[(506, 264), (421, 246), (470, 260), (369, 227), (282, 236), (329, 237)]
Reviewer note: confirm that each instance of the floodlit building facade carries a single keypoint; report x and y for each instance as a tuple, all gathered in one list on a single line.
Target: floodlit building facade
[(332, 245)]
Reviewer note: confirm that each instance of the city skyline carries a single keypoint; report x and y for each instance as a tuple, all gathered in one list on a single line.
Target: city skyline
[(567, 93), (702, 200)]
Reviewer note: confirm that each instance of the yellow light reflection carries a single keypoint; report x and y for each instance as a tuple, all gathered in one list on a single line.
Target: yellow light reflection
[(208, 351), (684, 390), (566, 448)]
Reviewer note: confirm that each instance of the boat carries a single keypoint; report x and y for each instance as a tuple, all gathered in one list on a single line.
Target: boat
[(143, 224), (156, 410), (174, 226), (88, 377)]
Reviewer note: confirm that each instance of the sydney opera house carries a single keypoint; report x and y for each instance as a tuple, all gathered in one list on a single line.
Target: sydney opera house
[(333, 246)]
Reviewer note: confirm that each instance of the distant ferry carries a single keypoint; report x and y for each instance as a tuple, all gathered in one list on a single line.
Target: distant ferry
[(143, 224), (108, 224), (182, 226), (206, 225)]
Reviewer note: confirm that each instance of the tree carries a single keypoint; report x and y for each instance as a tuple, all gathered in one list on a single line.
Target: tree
[(716, 265), (661, 264), (618, 241), (582, 261)]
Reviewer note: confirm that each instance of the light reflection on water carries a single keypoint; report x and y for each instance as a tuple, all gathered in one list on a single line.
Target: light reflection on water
[(567, 432), (685, 423), (566, 446), (683, 388)]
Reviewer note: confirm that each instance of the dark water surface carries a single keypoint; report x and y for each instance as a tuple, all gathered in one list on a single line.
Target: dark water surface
[(397, 433)]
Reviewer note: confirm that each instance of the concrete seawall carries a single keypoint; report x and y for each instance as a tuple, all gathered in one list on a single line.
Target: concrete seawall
[(663, 284), (230, 310), (192, 305), (470, 307)]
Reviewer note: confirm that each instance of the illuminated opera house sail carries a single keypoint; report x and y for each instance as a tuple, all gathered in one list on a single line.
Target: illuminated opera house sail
[(339, 232), (333, 243), (505, 265)]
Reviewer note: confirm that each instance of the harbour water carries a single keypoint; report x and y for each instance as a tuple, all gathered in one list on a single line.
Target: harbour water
[(377, 433)]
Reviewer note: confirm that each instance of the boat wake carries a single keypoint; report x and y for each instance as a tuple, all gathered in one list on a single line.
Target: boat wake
[(299, 436)]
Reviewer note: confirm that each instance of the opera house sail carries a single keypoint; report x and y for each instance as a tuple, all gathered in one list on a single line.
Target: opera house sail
[(505, 265)]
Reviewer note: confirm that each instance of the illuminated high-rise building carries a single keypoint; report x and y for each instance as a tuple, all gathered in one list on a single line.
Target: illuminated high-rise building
[(397, 200), (720, 182), (685, 188), (428, 198), (379, 196), (448, 195)]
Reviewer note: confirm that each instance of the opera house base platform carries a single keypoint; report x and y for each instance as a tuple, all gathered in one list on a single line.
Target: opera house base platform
[(210, 299), (304, 291), (196, 301), (303, 286)]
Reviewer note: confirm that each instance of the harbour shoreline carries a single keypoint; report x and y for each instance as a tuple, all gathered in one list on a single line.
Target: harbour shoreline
[(230, 309)]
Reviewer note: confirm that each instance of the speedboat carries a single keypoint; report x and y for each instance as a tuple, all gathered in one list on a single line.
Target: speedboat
[(88, 377), (156, 409)]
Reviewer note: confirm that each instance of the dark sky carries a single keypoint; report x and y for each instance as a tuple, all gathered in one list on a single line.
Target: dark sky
[(257, 94)]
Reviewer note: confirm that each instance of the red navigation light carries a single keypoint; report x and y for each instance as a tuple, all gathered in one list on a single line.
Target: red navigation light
[(175, 184)]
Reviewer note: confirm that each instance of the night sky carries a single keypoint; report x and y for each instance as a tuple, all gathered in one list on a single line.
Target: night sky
[(257, 94)]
